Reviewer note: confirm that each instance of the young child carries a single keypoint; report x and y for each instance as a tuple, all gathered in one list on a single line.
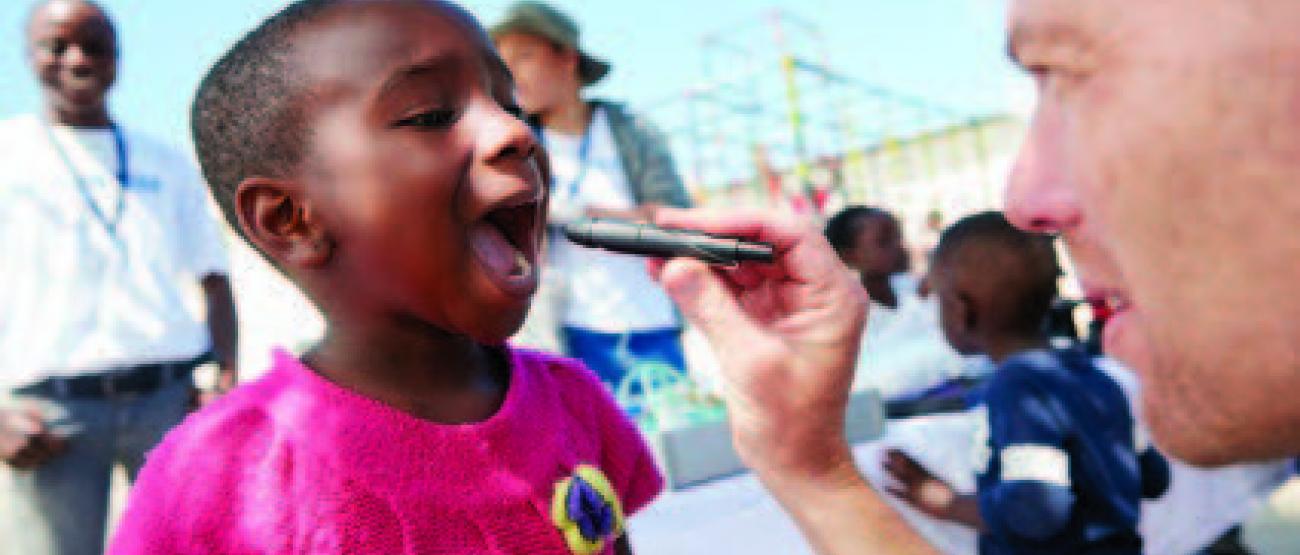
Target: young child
[(1059, 469), (870, 241), (374, 153), (903, 356)]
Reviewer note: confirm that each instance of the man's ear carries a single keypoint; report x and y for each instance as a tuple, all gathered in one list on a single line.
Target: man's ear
[(278, 218)]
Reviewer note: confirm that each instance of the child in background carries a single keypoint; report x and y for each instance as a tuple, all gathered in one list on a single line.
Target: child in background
[(1060, 469), (870, 241), (373, 152), (904, 355)]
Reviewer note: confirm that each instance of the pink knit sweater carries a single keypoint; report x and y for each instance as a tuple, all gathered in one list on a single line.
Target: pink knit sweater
[(295, 464)]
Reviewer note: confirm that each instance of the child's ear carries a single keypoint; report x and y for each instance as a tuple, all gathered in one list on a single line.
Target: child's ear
[(277, 217)]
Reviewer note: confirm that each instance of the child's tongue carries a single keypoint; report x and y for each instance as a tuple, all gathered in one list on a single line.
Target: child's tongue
[(493, 249)]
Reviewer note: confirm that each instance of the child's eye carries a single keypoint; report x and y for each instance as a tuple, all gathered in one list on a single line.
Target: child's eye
[(433, 119), (514, 110)]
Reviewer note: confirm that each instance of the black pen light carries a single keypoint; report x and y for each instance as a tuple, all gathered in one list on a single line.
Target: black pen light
[(648, 240)]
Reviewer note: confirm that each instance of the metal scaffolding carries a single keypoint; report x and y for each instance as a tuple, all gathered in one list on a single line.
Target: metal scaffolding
[(774, 116)]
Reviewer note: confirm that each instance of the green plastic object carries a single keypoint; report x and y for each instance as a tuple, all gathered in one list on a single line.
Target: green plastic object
[(660, 397)]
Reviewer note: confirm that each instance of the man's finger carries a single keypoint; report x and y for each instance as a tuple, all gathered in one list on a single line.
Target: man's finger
[(707, 301)]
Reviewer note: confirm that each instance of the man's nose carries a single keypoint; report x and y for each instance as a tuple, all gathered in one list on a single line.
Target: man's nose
[(78, 59), (1042, 196)]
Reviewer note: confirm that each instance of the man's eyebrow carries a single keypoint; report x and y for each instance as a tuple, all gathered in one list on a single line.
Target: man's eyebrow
[(437, 65), (1046, 34), (1015, 41)]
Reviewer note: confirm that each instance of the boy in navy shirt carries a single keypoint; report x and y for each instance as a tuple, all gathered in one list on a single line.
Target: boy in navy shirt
[(1059, 469)]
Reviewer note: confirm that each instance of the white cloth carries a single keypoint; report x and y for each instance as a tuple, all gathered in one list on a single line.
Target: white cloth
[(903, 349), (602, 291), (74, 299)]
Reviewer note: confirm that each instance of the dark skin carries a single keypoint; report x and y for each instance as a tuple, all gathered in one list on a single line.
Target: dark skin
[(223, 327), (72, 48), (417, 145), (970, 325), (876, 254)]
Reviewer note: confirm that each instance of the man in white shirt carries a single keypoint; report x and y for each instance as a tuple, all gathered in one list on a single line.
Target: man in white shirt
[(606, 163), (101, 231)]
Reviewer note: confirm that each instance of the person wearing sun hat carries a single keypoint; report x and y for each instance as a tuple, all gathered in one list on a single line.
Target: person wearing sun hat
[(607, 162)]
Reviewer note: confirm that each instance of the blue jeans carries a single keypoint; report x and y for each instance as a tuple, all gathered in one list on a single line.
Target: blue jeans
[(600, 351), (61, 507)]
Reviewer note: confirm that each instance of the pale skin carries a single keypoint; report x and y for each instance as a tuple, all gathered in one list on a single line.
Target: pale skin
[(787, 336), (1165, 151)]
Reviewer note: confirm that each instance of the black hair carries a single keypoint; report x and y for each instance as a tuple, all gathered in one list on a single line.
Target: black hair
[(843, 228), (1014, 270), (248, 117)]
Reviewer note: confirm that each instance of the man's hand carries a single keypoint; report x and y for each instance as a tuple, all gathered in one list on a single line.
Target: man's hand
[(787, 337), (25, 443), (226, 379), (786, 334)]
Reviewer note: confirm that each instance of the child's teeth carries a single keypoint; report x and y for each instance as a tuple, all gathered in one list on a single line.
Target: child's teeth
[(522, 266)]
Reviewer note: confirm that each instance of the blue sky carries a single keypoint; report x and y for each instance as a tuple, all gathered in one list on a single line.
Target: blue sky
[(948, 51)]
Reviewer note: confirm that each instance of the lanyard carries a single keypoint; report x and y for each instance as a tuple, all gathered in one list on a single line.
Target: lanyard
[(123, 177), (584, 155)]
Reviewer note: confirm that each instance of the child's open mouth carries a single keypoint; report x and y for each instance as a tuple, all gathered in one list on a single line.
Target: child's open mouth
[(505, 241)]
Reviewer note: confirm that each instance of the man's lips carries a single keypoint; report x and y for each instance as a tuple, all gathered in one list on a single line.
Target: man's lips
[(1113, 298), (1113, 308)]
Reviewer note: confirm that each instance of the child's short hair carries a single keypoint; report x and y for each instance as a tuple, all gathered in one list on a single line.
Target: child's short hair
[(843, 228), (1015, 269), (248, 117)]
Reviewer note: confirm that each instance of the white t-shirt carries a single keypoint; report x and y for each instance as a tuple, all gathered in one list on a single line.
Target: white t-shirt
[(903, 349), (603, 291), (74, 299)]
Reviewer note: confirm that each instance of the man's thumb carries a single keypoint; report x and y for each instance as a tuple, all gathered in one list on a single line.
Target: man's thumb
[(705, 300)]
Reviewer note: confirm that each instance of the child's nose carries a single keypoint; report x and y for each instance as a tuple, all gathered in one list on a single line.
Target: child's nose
[(506, 137)]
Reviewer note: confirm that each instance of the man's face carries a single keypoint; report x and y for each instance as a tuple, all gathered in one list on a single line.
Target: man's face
[(419, 166), (1166, 151), (544, 74), (73, 49)]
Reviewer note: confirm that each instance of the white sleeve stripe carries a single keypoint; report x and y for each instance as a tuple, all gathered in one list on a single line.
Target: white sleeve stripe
[(1140, 440), (1036, 463)]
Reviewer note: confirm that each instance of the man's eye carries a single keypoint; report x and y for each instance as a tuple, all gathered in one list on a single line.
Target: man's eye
[(55, 47), (434, 119), (95, 49), (513, 109)]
